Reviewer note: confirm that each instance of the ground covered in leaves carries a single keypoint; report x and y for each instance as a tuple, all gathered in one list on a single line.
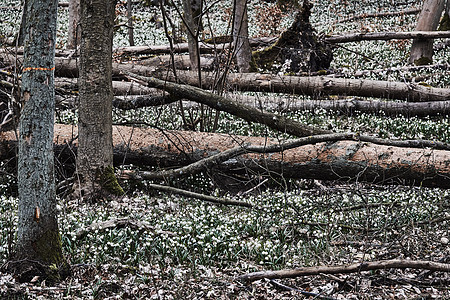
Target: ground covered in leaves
[(149, 245)]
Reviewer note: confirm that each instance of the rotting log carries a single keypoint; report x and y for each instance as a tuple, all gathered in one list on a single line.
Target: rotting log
[(342, 160)]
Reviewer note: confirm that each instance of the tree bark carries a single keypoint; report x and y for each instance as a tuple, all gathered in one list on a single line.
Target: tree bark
[(220, 103), (354, 268), (384, 36), (192, 20), (422, 50), (318, 86), (313, 86), (240, 36), (341, 160), (38, 238), (95, 153), (73, 38)]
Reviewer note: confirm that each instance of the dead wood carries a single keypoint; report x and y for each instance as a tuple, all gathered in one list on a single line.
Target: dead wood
[(353, 268), (120, 223), (410, 11), (198, 196), (120, 88), (342, 160), (376, 36), (316, 86), (220, 103)]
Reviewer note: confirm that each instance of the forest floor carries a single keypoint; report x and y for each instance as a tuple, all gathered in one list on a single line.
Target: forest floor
[(152, 245)]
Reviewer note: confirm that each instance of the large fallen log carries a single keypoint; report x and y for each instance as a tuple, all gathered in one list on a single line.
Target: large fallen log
[(342, 160), (314, 86)]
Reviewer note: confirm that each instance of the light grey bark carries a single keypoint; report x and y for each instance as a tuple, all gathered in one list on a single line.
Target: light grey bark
[(38, 236), (95, 153), (73, 38), (240, 36), (192, 23), (422, 50)]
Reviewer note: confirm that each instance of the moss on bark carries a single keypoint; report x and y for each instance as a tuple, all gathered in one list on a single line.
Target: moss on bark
[(108, 181)]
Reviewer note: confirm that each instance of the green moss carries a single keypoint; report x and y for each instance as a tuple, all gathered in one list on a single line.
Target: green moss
[(444, 24), (108, 181), (423, 61), (48, 249)]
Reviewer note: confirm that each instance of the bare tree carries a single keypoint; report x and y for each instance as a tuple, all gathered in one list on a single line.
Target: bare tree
[(192, 19), (240, 36), (95, 153), (73, 38), (38, 250), (422, 50)]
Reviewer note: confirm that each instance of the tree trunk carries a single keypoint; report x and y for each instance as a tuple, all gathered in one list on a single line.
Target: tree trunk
[(384, 36), (421, 50), (341, 160), (95, 154), (192, 19), (240, 36), (73, 38), (313, 86), (130, 22), (318, 86), (38, 240)]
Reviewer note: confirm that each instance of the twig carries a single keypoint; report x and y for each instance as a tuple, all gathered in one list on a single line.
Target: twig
[(198, 196), (305, 293), (353, 268)]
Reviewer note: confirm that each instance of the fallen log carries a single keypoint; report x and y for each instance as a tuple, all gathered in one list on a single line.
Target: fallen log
[(377, 36), (353, 268), (315, 86), (342, 160), (248, 113)]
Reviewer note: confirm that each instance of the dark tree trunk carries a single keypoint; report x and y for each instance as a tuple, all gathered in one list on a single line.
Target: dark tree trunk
[(95, 154), (38, 238)]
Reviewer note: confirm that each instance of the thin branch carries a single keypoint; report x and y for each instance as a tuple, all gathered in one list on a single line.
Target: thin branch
[(353, 268), (198, 196)]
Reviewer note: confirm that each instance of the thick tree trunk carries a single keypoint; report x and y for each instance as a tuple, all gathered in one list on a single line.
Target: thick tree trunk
[(38, 239), (240, 36), (340, 160), (74, 37), (95, 153), (422, 50)]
